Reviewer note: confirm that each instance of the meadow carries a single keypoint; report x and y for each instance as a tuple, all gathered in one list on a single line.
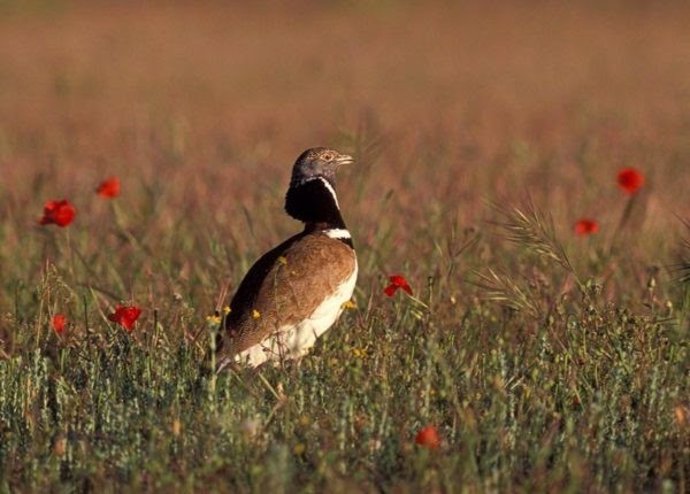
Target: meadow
[(547, 357)]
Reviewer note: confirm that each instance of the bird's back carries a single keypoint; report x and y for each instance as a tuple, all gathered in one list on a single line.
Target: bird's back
[(290, 296)]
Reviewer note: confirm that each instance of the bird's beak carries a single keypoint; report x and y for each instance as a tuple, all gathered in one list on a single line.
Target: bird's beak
[(345, 159)]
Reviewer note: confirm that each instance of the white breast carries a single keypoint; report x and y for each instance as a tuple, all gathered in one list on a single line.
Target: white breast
[(294, 341)]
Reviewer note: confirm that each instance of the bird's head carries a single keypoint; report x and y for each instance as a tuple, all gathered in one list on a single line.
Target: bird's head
[(318, 162)]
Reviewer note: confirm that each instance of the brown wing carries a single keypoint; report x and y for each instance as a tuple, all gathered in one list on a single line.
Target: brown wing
[(288, 284)]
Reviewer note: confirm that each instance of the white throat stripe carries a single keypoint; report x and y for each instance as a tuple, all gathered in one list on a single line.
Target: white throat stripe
[(331, 190), (338, 233)]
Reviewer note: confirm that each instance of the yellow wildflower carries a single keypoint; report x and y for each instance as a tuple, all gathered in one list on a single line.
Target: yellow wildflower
[(256, 314), (350, 304), (213, 320), (176, 427), (226, 310)]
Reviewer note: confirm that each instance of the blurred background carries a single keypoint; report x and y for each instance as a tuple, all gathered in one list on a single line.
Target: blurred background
[(202, 107)]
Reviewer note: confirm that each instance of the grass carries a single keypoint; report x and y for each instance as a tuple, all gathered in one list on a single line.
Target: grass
[(547, 362)]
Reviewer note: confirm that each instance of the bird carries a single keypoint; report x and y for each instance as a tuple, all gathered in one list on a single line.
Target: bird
[(295, 291)]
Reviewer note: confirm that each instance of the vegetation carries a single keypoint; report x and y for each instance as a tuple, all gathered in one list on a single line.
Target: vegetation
[(544, 345)]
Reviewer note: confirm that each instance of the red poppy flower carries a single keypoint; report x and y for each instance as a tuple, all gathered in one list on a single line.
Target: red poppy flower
[(630, 180), (397, 282), (59, 323), (125, 316), (109, 188), (586, 226), (428, 437), (60, 213)]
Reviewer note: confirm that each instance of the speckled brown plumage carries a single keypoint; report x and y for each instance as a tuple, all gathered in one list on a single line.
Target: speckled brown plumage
[(287, 284)]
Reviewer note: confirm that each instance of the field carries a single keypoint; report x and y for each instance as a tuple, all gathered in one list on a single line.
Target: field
[(546, 360)]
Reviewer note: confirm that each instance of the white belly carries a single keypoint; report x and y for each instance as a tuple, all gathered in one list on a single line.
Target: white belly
[(294, 341)]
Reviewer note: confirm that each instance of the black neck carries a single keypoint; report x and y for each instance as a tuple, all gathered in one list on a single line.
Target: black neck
[(315, 204)]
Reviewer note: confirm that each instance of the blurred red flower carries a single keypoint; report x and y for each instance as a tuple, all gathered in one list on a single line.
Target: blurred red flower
[(630, 180), (125, 316), (428, 437), (586, 226), (59, 323), (60, 213), (397, 282), (109, 188)]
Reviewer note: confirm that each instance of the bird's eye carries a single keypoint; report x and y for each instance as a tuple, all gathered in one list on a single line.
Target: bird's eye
[(327, 157)]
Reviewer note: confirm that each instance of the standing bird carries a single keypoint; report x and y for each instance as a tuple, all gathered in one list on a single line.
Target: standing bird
[(296, 291)]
